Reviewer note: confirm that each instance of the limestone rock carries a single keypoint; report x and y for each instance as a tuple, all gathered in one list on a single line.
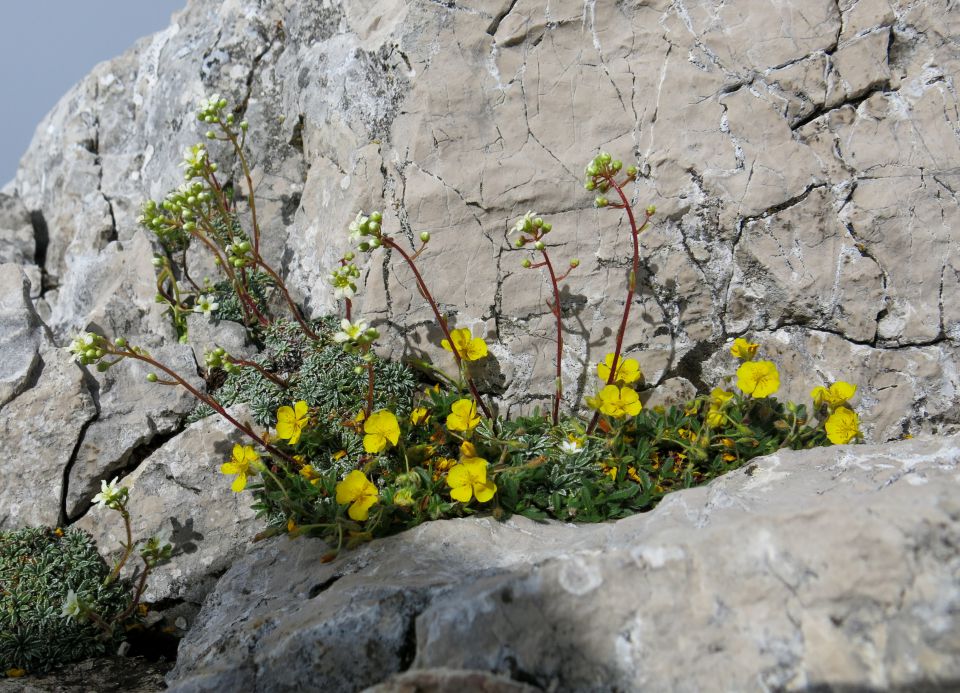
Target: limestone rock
[(40, 430), (21, 333), (804, 570), (179, 493)]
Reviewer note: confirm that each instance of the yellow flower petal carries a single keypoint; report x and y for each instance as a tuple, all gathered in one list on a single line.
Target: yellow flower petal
[(463, 416), (461, 493), (842, 426), (758, 378), (239, 483), (485, 491)]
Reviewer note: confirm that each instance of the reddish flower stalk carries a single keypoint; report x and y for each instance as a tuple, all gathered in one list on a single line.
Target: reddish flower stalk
[(631, 283), (390, 243), (555, 309), (209, 401)]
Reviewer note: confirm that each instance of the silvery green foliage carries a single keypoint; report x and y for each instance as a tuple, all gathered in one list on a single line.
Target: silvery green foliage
[(38, 568), (320, 374)]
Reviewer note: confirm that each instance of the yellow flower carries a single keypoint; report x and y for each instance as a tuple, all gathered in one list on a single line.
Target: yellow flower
[(381, 427), (310, 474), (715, 418), (469, 347), (243, 457), (441, 465), (719, 397), (758, 378), (835, 396), (469, 479), (291, 526), (463, 415), (468, 449), (419, 416), (16, 673), (743, 350), (339, 454), (628, 370), (291, 422), (842, 426), (360, 492), (619, 401), (403, 498)]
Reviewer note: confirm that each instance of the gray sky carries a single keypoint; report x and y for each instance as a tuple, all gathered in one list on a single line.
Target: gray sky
[(47, 46)]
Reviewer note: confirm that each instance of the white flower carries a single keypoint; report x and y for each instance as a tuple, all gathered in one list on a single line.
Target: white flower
[(111, 495), (71, 605), (525, 223), (205, 305), (356, 228), (571, 446), (350, 331)]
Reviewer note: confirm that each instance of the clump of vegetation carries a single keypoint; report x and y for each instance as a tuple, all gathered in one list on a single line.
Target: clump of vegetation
[(41, 570), (59, 601), (348, 447)]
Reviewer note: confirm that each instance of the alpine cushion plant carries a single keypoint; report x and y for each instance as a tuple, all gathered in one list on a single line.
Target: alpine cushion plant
[(349, 447)]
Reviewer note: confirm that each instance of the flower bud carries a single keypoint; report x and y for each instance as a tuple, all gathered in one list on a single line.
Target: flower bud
[(526, 263), (575, 262), (211, 134), (375, 243), (376, 216), (214, 166), (103, 366), (604, 157), (547, 227), (520, 242), (157, 262), (651, 210), (363, 247), (244, 125), (245, 247), (601, 201), (590, 185), (120, 342), (632, 171), (358, 370), (424, 236), (593, 169), (152, 377), (348, 256), (372, 333), (616, 165), (539, 245)]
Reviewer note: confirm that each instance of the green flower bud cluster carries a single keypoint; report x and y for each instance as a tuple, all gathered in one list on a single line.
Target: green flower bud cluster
[(212, 109), (343, 279), (356, 336), (531, 229), (88, 348), (238, 252), (598, 173), (171, 219), (219, 358), (366, 232)]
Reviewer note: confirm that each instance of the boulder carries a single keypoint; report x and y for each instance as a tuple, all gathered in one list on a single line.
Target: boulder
[(179, 494), (804, 570), (797, 153)]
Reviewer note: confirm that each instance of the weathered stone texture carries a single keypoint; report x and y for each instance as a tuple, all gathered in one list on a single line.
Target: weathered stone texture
[(805, 570), (802, 157)]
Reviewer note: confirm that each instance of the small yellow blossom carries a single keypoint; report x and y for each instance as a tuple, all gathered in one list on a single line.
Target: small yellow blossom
[(468, 449), (291, 421), (339, 454), (441, 466), (842, 426), (16, 673), (834, 396), (719, 397), (360, 492), (468, 479), (743, 350), (619, 401), (469, 347), (291, 526), (758, 378), (463, 416), (381, 428), (628, 370), (419, 416), (244, 456), (308, 472)]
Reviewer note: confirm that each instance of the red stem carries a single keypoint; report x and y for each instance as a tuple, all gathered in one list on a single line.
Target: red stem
[(556, 311), (210, 402), (631, 288), (390, 243)]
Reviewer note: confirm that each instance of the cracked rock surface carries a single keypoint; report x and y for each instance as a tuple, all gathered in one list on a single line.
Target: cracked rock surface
[(802, 157), (804, 569)]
